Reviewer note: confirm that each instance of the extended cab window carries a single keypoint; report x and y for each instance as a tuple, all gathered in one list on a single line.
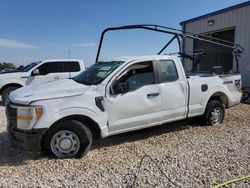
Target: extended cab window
[(50, 67), (71, 66), (29, 66), (138, 75), (168, 71)]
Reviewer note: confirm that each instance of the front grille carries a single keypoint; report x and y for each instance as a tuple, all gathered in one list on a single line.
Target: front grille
[(11, 114)]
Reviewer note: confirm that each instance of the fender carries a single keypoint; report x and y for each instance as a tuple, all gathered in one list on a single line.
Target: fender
[(11, 81), (213, 91), (48, 120)]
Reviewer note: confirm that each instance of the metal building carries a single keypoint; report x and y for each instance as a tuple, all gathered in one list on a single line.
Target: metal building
[(233, 24)]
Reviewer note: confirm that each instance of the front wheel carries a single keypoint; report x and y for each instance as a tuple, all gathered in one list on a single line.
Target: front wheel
[(68, 139), (214, 113), (6, 92)]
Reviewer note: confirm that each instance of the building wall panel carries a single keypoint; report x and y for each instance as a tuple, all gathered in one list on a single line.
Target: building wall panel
[(238, 18)]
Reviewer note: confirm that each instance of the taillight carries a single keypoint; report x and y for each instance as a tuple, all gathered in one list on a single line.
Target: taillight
[(237, 83)]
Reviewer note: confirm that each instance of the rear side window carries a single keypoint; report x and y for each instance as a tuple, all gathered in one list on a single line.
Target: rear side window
[(71, 66), (168, 71), (56, 67), (50, 67)]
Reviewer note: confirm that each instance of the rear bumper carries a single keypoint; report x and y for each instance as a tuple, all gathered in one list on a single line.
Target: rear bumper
[(29, 141)]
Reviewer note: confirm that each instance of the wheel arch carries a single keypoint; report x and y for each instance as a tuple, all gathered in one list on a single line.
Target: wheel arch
[(220, 96), (10, 85), (89, 122)]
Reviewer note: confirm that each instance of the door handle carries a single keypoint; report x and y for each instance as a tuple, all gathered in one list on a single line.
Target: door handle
[(153, 94), (56, 77)]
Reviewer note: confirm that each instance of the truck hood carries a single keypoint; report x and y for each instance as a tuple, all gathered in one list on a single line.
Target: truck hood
[(8, 75), (49, 90), (8, 72)]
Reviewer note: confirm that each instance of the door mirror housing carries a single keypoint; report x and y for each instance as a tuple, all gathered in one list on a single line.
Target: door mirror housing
[(35, 72), (118, 88)]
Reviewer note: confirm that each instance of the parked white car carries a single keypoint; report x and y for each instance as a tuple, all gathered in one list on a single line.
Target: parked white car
[(38, 72), (113, 97)]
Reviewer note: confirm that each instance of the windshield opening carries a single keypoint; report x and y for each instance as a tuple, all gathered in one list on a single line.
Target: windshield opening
[(97, 72), (29, 66)]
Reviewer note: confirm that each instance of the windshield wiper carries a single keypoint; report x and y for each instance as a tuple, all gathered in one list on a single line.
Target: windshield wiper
[(81, 82)]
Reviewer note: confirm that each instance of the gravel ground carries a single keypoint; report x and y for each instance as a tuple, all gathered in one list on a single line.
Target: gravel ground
[(186, 153)]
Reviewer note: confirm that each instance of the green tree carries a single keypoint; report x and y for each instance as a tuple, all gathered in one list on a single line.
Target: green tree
[(5, 65)]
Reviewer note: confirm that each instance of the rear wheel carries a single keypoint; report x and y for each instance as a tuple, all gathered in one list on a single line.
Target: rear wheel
[(68, 139), (214, 113), (7, 91), (245, 96)]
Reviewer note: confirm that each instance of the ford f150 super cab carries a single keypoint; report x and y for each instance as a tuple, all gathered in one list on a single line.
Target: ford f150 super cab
[(119, 95), (113, 97), (38, 72)]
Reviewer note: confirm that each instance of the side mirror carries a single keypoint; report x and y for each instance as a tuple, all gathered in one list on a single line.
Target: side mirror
[(118, 88), (35, 72)]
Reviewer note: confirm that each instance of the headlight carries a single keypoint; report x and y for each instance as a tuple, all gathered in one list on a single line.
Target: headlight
[(28, 116)]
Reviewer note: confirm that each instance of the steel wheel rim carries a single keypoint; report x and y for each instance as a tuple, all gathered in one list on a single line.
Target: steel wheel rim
[(215, 116), (65, 144)]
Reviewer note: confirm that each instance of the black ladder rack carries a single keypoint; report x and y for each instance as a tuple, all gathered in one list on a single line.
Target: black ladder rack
[(178, 35)]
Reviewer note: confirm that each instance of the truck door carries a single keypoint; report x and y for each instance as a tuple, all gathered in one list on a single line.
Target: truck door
[(140, 106), (48, 71), (174, 91)]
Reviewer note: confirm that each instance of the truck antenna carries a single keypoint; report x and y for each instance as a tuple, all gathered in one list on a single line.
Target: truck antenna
[(69, 62)]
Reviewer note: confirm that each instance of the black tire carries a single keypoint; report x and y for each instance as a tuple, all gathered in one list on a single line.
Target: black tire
[(245, 96), (7, 91), (79, 136), (214, 113)]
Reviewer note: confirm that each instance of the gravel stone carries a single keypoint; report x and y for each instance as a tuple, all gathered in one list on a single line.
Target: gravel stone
[(187, 153)]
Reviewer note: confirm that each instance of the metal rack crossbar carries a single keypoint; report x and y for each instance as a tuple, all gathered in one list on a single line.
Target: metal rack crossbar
[(178, 35)]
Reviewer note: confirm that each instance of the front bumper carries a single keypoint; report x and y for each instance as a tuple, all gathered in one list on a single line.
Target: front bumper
[(29, 140)]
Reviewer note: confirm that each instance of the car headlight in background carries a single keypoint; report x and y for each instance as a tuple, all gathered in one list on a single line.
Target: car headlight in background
[(28, 116)]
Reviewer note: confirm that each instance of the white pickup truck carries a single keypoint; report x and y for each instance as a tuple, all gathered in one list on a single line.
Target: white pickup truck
[(113, 97), (38, 72)]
